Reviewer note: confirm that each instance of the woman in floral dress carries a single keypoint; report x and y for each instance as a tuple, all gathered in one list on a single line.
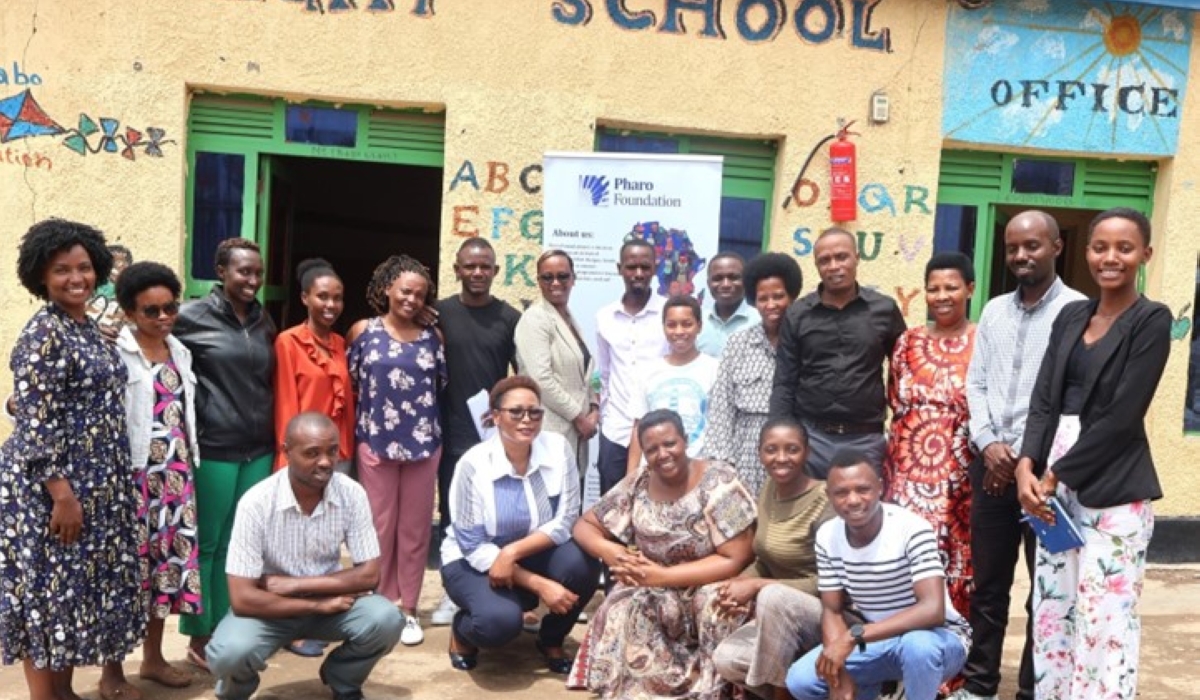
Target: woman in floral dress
[(70, 589), (929, 449), (670, 536), (161, 413), (398, 367)]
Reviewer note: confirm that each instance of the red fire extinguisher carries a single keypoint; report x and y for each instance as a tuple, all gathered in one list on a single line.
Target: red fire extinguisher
[(843, 188)]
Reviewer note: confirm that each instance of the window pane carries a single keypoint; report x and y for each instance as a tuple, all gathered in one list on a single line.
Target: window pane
[(618, 143), (742, 222), (954, 229), (1191, 411), (323, 126), (1043, 177), (216, 207)]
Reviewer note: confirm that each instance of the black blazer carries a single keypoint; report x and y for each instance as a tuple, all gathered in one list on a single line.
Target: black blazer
[(1110, 464)]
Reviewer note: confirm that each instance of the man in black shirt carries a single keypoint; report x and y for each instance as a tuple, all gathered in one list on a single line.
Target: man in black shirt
[(478, 329), (829, 364)]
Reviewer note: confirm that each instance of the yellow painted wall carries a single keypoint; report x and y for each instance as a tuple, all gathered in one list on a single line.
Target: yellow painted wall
[(513, 82)]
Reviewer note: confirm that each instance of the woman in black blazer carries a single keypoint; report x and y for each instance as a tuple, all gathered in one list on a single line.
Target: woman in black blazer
[(1085, 443)]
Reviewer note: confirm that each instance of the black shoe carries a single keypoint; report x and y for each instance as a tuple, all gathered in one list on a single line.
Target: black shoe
[(560, 665), (462, 660), (348, 695)]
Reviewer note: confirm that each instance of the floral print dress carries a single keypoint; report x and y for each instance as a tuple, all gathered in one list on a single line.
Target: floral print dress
[(63, 606), (929, 449), (658, 642), (167, 505)]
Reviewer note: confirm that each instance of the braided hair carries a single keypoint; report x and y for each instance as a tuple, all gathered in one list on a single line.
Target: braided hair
[(388, 272)]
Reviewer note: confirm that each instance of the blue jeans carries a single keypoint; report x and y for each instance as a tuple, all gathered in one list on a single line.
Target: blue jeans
[(240, 646), (923, 659)]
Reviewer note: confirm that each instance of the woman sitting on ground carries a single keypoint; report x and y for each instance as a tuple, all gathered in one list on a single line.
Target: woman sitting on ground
[(781, 587), (670, 535), (514, 498)]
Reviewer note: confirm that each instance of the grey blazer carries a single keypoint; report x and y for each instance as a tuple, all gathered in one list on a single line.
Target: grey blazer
[(548, 352)]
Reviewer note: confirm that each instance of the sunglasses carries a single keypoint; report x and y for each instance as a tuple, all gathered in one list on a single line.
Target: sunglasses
[(156, 310), (519, 414), (560, 277)]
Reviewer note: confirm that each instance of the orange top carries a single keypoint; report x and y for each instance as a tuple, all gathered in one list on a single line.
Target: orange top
[(307, 378)]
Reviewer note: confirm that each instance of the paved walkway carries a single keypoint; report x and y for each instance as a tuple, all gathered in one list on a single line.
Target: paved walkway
[(1170, 656)]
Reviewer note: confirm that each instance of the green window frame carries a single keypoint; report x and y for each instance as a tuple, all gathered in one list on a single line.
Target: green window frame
[(748, 172), (984, 180), (255, 128)]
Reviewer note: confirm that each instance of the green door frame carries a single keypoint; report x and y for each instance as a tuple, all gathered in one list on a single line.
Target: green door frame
[(255, 128), (983, 179)]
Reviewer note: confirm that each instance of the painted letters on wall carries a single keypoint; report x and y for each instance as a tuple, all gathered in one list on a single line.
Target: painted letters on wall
[(1067, 75)]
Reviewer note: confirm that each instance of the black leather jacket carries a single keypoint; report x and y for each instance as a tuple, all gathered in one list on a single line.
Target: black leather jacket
[(235, 370)]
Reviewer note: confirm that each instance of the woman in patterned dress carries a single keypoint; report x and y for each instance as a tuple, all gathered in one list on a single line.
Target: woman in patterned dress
[(929, 449), (670, 535), (398, 367), (70, 589), (161, 414), (738, 400)]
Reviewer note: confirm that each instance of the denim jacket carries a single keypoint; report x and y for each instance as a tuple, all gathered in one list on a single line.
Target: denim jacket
[(140, 396)]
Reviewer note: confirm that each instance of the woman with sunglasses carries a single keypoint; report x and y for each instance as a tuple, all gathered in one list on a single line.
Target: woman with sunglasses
[(514, 500), (161, 418), (550, 349)]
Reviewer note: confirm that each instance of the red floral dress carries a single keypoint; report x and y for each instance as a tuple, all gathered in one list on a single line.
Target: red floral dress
[(929, 449)]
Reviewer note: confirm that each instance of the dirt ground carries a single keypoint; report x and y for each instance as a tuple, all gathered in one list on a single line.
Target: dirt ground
[(1170, 655)]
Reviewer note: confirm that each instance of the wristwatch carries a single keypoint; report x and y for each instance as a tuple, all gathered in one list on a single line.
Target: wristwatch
[(857, 631)]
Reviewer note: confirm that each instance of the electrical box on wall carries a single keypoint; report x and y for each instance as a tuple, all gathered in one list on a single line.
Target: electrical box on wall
[(880, 107)]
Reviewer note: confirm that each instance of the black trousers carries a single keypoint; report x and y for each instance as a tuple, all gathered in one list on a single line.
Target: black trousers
[(613, 463), (446, 465), (997, 535)]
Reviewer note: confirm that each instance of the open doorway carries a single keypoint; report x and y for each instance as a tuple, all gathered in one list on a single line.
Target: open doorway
[(352, 213), (1071, 265)]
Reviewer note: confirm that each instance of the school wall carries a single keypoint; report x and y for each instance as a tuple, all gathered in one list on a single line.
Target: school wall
[(515, 79)]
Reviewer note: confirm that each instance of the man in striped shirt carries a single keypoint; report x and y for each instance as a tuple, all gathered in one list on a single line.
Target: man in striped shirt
[(883, 561), (285, 575)]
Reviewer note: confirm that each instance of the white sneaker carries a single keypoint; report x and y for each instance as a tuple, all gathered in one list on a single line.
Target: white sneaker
[(964, 694), (412, 634), (444, 615)]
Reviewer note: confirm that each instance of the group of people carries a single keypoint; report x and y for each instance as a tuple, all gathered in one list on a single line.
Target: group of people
[(758, 527)]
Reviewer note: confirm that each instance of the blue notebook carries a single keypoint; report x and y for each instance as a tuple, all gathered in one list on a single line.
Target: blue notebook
[(1063, 535)]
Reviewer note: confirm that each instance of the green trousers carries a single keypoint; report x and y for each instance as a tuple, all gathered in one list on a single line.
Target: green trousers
[(219, 487)]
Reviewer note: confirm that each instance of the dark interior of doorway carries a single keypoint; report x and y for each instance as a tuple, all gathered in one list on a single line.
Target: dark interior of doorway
[(1071, 265), (354, 214)]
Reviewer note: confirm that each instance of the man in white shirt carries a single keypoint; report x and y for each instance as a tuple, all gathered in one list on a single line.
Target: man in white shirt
[(729, 311), (285, 575), (884, 561), (629, 337)]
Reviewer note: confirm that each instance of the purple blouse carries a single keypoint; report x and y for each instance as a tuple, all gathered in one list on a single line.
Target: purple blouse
[(397, 385)]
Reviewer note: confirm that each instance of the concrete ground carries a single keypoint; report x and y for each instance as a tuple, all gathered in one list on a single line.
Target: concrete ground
[(1170, 656)]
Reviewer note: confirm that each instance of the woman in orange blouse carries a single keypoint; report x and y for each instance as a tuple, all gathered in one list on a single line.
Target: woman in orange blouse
[(311, 373)]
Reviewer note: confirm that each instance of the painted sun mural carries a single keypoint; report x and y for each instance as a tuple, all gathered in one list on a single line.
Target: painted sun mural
[(1067, 75)]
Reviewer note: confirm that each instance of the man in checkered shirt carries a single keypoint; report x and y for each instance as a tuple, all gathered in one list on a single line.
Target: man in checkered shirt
[(285, 575)]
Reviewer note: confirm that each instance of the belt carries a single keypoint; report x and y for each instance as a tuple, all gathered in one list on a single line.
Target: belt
[(848, 428)]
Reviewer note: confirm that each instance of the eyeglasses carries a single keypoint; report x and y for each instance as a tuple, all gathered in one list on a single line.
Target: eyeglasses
[(170, 308), (551, 277), (519, 414)]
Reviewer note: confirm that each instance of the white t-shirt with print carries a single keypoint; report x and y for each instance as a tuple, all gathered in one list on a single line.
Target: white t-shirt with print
[(683, 389)]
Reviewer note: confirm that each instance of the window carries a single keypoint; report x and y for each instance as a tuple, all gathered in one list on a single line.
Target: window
[(747, 180), (1043, 177), (216, 208), (321, 126)]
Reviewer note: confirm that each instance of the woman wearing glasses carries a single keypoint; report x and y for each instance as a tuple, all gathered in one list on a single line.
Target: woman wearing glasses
[(161, 418), (550, 349), (514, 500)]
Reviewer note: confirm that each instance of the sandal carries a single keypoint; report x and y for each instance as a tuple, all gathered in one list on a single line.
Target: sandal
[(168, 676), (306, 647), (197, 659), (123, 691)]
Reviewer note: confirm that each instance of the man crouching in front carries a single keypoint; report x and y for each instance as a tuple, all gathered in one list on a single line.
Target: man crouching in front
[(285, 576)]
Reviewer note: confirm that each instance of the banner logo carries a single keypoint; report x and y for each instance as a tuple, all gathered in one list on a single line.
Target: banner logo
[(595, 189)]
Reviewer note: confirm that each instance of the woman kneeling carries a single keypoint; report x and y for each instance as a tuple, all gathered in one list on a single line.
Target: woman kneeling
[(513, 501)]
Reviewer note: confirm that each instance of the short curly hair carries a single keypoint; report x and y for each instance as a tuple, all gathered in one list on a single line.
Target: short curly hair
[(226, 247), (48, 238), (141, 276), (387, 272), (769, 265)]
